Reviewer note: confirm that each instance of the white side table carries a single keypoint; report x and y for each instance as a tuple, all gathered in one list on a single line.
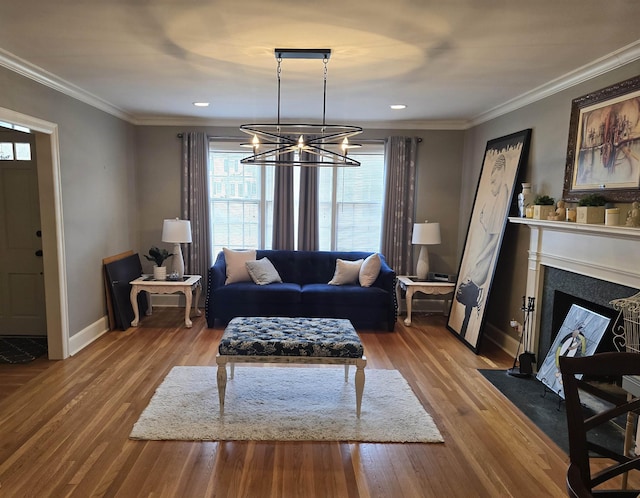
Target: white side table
[(411, 285), (151, 286)]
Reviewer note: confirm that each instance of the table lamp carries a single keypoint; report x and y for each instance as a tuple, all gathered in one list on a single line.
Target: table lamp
[(177, 231), (425, 234)]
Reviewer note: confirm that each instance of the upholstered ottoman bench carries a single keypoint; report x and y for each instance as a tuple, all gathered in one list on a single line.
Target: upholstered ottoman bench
[(290, 340)]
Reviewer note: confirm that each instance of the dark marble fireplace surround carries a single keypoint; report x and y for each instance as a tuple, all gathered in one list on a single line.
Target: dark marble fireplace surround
[(563, 288)]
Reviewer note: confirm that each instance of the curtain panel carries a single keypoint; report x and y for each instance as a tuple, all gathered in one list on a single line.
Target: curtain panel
[(195, 203), (308, 211), (283, 233), (400, 155)]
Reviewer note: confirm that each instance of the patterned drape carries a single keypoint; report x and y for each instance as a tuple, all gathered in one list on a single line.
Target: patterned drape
[(195, 203), (308, 231), (283, 209), (400, 155)]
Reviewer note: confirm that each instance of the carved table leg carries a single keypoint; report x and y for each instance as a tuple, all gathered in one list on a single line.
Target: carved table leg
[(197, 301), (134, 305), (187, 309), (408, 299)]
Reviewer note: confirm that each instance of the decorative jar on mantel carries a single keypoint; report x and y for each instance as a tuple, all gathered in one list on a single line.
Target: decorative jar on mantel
[(525, 199), (543, 207)]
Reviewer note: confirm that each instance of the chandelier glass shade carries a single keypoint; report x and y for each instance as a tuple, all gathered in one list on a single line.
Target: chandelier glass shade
[(299, 144)]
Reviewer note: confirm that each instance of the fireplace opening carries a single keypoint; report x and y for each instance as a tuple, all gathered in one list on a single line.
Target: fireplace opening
[(561, 289), (562, 303)]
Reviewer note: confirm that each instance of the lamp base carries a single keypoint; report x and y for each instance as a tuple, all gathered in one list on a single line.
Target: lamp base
[(178, 261), (422, 266)]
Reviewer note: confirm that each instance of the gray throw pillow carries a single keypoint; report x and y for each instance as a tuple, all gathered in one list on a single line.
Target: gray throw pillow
[(263, 272)]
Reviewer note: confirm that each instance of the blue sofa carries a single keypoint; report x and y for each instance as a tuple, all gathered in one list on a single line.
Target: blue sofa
[(304, 291)]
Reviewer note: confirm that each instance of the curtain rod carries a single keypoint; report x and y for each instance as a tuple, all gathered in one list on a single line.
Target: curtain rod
[(240, 139)]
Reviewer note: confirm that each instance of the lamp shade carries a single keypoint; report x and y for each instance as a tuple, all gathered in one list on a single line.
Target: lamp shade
[(176, 231), (426, 233)]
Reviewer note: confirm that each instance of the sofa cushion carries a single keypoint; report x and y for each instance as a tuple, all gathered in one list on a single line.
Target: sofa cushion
[(347, 272), (249, 293), (236, 269), (262, 272), (369, 270), (324, 295)]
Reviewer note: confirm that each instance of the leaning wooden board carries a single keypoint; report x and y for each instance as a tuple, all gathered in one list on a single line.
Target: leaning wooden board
[(119, 270)]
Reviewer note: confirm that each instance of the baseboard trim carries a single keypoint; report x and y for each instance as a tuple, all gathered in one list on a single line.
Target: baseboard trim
[(86, 336), (504, 341)]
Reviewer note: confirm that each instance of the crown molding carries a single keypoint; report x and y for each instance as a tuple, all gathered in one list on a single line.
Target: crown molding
[(39, 75), (609, 62)]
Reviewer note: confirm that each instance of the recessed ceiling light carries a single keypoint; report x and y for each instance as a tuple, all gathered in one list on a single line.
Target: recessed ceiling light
[(398, 106), (201, 104)]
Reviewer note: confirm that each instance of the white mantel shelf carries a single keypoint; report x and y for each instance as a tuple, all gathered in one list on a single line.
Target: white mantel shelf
[(586, 228), (609, 253)]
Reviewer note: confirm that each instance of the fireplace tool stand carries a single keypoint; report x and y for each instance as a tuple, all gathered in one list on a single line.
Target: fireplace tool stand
[(526, 360)]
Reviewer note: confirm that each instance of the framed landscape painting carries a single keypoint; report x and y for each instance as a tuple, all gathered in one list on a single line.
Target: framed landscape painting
[(503, 158), (603, 153)]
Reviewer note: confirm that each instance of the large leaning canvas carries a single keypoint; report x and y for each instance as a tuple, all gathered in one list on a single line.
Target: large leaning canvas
[(579, 335), (503, 158)]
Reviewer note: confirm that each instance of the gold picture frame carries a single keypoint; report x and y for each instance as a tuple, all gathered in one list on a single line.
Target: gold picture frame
[(603, 151)]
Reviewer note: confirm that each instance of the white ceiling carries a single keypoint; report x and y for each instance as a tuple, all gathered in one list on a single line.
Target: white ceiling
[(450, 61)]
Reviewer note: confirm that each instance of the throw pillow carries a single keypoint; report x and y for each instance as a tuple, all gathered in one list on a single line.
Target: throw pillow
[(369, 270), (346, 272), (263, 272), (236, 269)]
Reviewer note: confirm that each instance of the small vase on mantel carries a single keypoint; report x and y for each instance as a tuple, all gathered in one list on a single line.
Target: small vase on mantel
[(525, 198)]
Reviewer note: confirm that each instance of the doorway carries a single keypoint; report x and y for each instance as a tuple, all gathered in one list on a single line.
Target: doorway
[(45, 136), (22, 308)]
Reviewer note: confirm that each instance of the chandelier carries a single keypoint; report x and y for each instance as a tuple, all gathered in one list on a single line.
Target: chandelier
[(301, 144)]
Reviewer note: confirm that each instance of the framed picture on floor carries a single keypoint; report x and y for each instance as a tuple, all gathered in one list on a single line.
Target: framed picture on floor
[(503, 158), (579, 335)]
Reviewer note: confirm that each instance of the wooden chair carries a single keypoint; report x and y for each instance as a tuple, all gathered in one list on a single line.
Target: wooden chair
[(612, 463)]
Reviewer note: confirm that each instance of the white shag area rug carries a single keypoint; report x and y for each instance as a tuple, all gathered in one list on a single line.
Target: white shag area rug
[(285, 404)]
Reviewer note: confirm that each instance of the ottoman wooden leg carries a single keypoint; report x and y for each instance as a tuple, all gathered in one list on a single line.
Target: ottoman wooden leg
[(222, 382), (360, 364)]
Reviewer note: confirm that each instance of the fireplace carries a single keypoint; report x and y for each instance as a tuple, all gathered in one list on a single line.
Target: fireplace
[(561, 289), (592, 264)]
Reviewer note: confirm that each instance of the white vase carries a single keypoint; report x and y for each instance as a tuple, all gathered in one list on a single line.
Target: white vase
[(159, 272), (525, 198)]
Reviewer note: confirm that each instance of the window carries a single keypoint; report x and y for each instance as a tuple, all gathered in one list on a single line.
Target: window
[(351, 201), (241, 201), (15, 151)]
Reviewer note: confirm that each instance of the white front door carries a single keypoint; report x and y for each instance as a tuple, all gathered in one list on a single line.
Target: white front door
[(22, 300)]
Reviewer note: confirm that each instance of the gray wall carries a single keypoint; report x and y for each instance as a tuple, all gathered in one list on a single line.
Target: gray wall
[(438, 177), (549, 120), (98, 183), (120, 181)]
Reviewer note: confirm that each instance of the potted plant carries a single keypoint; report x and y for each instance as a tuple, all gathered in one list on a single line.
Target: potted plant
[(543, 206), (591, 209), (158, 256)]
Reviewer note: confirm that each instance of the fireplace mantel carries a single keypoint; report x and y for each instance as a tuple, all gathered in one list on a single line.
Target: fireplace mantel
[(584, 228), (609, 253)]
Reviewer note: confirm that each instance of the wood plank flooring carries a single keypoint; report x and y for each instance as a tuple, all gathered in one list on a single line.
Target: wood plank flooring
[(64, 427)]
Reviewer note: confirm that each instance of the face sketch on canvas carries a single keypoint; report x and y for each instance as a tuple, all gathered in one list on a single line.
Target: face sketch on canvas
[(471, 291)]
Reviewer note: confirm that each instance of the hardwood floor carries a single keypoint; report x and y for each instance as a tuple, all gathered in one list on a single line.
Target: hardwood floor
[(64, 427)]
